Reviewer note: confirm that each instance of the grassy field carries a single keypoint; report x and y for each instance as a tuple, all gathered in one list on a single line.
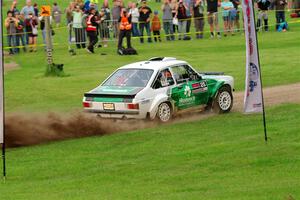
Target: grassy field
[(223, 157), (28, 90)]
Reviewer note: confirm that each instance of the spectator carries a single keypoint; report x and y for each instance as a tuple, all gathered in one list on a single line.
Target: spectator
[(134, 11), (79, 31), (168, 19), (87, 6), (263, 7), (181, 16), (36, 9), (129, 4), (95, 4), (173, 5), (144, 20), (198, 11), (91, 29), (20, 33), (104, 30), (125, 29), (212, 17), (226, 7), (116, 11), (156, 26), (11, 24), (280, 12), (31, 24), (107, 16), (56, 14), (26, 10), (189, 6), (236, 20), (69, 13), (13, 7)]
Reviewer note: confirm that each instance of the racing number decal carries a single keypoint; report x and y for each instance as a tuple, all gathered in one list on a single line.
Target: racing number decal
[(199, 87)]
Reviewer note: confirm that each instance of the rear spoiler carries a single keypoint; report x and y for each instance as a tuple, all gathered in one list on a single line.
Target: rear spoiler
[(211, 73), (131, 96)]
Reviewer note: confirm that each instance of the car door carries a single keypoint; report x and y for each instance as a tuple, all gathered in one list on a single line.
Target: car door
[(190, 90), (163, 82)]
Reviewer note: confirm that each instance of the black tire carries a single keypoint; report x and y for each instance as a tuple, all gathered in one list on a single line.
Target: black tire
[(223, 101), (164, 112)]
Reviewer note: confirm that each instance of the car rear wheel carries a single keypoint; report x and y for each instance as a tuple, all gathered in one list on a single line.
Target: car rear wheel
[(164, 112), (223, 101)]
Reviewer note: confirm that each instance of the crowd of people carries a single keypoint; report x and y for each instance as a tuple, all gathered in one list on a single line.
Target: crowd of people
[(93, 20)]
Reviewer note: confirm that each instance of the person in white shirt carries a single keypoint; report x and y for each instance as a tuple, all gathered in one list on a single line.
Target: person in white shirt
[(134, 11)]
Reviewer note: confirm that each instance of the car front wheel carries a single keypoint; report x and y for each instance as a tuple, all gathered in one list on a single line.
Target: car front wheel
[(223, 101), (164, 112)]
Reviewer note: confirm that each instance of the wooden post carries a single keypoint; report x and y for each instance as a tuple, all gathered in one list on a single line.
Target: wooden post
[(48, 41)]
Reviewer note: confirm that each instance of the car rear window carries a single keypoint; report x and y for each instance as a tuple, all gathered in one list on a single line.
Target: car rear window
[(129, 78)]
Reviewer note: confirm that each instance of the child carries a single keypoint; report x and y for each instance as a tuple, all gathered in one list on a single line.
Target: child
[(155, 27), (226, 6)]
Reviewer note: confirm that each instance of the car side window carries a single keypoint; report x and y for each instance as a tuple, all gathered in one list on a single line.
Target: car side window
[(163, 79), (184, 73)]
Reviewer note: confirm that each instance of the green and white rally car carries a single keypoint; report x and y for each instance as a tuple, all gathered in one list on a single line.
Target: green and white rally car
[(159, 88)]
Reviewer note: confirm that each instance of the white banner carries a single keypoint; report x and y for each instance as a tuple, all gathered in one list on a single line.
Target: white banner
[(253, 94), (1, 76)]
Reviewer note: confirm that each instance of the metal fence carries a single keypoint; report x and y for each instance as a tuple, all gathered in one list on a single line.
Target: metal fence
[(77, 37)]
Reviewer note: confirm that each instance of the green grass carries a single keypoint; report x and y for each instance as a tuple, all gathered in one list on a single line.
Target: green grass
[(27, 89), (223, 157)]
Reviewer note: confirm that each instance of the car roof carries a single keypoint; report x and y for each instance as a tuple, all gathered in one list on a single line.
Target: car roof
[(157, 63)]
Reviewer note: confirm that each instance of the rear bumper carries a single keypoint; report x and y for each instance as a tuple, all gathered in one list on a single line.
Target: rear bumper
[(117, 114), (125, 112)]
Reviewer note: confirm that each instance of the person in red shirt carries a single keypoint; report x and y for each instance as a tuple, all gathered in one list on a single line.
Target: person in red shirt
[(156, 26)]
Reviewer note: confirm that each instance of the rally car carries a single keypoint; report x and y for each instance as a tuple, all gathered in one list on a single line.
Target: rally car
[(159, 88)]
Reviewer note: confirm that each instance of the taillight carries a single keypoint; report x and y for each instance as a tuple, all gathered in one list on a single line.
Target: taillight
[(133, 106), (87, 104)]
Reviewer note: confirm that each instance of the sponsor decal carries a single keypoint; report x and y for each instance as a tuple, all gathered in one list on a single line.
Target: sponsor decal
[(187, 91), (189, 100), (114, 90), (253, 77), (195, 85)]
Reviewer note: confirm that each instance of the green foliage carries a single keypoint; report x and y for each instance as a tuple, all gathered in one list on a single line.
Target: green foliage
[(54, 70), (222, 157)]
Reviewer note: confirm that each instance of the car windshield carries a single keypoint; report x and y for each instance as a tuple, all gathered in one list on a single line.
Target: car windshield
[(130, 78)]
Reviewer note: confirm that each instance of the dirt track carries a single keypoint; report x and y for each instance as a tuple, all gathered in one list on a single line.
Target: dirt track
[(24, 130), (273, 96)]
